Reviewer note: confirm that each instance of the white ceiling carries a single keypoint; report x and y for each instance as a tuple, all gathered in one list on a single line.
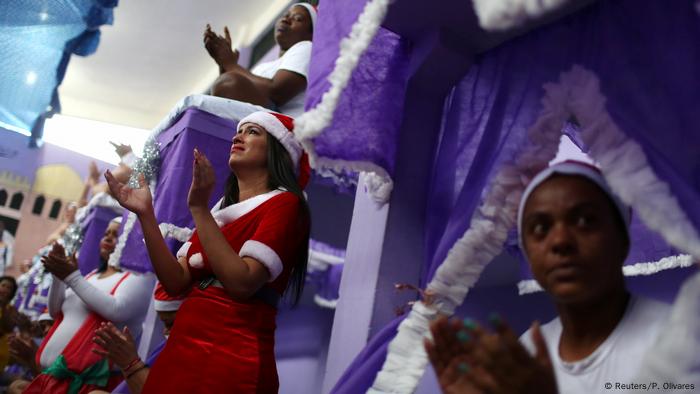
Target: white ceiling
[(153, 56)]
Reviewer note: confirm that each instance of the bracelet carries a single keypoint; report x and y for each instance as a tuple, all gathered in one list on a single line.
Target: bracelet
[(131, 364), (132, 373)]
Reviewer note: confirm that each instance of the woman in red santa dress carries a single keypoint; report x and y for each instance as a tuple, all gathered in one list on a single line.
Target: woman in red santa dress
[(244, 254)]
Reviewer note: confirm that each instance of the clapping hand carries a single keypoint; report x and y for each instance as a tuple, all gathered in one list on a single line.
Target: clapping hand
[(118, 346), (203, 181), (121, 149), (138, 200), (57, 263), (219, 48), (470, 359)]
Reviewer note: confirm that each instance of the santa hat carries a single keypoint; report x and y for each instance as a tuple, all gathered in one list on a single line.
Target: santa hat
[(312, 12), (163, 302), (280, 126), (578, 168)]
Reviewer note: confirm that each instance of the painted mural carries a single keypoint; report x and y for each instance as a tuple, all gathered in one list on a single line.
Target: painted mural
[(36, 185)]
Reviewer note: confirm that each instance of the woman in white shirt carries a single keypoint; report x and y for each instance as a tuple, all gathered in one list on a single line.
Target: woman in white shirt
[(574, 233), (79, 305), (280, 84)]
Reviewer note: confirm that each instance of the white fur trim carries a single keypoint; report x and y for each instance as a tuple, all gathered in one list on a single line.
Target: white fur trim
[(182, 252), (196, 260), (639, 269), (265, 255), (169, 230), (166, 306), (275, 127), (325, 303), (312, 123), (497, 15), (235, 211)]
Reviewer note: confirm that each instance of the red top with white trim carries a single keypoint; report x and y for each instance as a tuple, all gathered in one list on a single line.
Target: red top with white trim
[(269, 228)]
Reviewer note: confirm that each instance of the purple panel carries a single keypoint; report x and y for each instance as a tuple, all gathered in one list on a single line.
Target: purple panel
[(195, 129), (366, 122), (94, 226)]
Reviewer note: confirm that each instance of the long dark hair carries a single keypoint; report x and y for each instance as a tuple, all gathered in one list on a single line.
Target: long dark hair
[(280, 171)]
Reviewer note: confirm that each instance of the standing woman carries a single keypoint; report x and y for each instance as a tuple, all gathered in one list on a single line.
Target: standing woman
[(79, 305), (241, 259)]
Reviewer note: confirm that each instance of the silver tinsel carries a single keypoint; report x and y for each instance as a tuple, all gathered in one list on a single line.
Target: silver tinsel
[(72, 238), (147, 164)]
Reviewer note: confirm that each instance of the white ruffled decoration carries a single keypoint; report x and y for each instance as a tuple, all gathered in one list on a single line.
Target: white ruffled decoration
[(406, 359), (313, 122), (325, 303), (639, 269), (101, 199), (495, 15), (625, 165), (169, 230)]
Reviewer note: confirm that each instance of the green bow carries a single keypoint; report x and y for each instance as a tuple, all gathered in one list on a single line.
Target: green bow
[(97, 374)]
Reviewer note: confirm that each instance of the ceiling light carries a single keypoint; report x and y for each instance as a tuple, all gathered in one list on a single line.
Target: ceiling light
[(43, 16)]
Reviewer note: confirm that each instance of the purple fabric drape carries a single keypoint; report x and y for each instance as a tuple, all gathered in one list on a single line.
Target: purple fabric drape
[(195, 129), (94, 226), (361, 130), (653, 98)]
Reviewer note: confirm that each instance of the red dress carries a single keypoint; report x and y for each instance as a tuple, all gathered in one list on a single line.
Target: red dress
[(219, 345)]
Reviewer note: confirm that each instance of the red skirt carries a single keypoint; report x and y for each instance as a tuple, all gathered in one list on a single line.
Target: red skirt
[(217, 345)]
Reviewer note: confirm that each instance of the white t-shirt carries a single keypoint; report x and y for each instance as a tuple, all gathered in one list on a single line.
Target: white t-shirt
[(296, 59), (616, 360)]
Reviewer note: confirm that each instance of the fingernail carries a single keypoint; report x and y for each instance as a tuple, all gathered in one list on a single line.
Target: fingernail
[(462, 367), (463, 336), (469, 323), (495, 318)]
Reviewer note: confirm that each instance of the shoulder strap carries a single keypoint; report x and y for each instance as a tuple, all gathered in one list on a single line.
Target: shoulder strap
[(114, 289)]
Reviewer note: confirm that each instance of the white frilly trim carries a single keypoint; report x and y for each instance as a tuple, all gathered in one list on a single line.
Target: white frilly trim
[(116, 256), (319, 261), (495, 15), (639, 269), (480, 244), (169, 230), (325, 303), (624, 166), (313, 122), (101, 199)]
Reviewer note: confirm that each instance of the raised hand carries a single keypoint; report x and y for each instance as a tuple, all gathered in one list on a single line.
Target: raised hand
[(57, 263), (138, 201), (121, 149), (94, 174), (23, 350), (118, 346), (219, 48), (203, 181)]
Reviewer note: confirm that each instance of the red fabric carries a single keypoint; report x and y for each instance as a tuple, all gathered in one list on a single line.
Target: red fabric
[(304, 166), (219, 345), (78, 354), (276, 223)]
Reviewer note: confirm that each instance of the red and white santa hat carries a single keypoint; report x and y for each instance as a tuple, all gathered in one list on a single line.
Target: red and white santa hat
[(163, 302), (281, 126)]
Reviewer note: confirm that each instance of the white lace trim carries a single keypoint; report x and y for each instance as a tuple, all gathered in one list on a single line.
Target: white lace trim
[(101, 199), (495, 15), (529, 286), (313, 122)]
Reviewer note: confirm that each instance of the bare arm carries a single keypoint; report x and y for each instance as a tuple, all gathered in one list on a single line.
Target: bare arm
[(241, 277), (174, 276)]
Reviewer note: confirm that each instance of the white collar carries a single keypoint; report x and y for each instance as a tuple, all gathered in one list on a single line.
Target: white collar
[(235, 211)]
